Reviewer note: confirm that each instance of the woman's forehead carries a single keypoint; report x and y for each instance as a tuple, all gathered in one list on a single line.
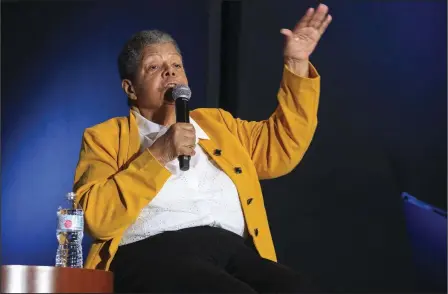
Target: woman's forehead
[(163, 49)]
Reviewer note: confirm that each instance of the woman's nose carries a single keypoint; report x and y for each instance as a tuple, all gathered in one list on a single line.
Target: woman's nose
[(170, 72)]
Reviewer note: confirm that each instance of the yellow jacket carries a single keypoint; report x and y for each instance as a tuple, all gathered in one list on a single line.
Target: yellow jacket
[(113, 181)]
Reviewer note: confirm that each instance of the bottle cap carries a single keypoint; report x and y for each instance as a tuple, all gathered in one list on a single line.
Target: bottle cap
[(71, 196)]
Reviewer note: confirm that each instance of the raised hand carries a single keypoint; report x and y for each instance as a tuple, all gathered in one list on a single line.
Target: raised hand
[(302, 40)]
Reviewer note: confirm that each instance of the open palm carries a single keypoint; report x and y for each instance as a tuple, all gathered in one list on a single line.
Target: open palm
[(301, 41)]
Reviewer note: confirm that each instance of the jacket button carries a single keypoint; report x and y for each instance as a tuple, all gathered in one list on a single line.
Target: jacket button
[(249, 201), (238, 170), (256, 232), (217, 152)]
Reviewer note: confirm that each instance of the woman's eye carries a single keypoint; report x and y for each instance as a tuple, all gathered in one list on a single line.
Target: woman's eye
[(153, 67), (177, 65)]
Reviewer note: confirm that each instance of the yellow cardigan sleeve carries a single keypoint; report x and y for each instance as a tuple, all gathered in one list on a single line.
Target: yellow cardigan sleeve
[(277, 145), (112, 198)]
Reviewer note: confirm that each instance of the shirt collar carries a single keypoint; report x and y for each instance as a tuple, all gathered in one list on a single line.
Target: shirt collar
[(199, 131), (146, 127)]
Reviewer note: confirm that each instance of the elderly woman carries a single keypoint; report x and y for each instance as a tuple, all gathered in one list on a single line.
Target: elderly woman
[(161, 229)]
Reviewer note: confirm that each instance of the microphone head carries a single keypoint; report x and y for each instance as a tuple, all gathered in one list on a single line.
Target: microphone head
[(181, 91)]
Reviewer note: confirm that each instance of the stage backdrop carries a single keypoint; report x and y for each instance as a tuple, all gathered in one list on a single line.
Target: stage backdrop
[(339, 215), (59, 76), (382, 130)]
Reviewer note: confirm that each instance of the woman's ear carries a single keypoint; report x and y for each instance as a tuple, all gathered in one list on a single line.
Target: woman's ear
[(128, 88)]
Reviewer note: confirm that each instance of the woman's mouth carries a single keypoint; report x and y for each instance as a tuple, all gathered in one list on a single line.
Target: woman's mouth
[(168, 96), (170, 85)]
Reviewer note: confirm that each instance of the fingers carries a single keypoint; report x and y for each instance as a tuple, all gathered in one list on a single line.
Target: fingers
[(184, 139), (319, 16), (184, 126), (325, 24), (180, 139), (186, 150), (317, 19), (305, 19), (187, 144), (189, 134), (189, 139), (286, 32)]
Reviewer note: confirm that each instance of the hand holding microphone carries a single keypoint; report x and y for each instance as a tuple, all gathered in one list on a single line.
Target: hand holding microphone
[(180, 140)]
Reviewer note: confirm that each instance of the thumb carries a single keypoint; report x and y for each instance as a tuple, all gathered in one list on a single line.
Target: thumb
[(286, 33)]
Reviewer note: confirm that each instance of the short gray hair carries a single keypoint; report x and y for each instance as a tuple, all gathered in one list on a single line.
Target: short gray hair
[(131, 54)]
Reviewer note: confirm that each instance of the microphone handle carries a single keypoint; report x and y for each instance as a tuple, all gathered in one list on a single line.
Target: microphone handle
[(183, 116)]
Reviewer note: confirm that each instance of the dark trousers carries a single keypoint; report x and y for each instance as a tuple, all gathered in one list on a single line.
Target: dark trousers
[(200, 259)]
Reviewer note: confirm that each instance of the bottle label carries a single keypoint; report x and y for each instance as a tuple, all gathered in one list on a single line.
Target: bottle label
[(70, 222)]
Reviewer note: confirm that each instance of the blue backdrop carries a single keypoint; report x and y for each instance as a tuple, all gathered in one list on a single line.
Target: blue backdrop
[(59, 76)]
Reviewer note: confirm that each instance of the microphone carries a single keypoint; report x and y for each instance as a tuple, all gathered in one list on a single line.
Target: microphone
[(181, 96)]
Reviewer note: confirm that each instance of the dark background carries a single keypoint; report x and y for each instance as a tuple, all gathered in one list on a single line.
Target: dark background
[(338, 216)]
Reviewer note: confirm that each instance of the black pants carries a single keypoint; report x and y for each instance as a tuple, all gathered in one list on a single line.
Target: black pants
[(200, 259)]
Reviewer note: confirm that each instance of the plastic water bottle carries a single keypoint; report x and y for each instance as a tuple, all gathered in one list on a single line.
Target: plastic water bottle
[(69, 233)]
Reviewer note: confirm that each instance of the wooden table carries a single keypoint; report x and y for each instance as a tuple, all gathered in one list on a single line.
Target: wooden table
[(48, 279)]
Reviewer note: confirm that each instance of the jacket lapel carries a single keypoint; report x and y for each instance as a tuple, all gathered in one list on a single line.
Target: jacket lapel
[(226, 151), (131, 139)]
